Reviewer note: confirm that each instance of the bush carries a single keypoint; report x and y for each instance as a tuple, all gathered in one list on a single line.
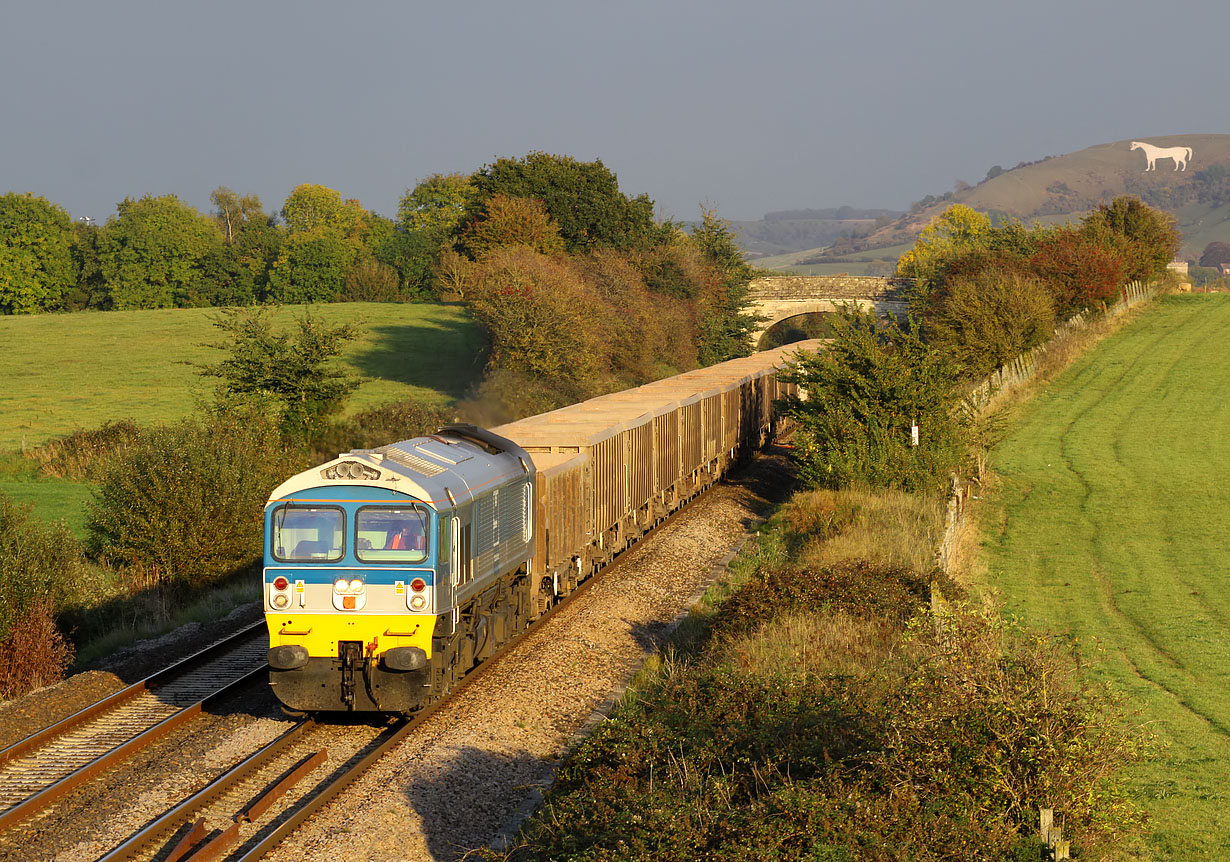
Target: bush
[(840, 735), (986, 320), (379, 426), (86, 454), (543, 320), (1081, 271), (41, 571), (863, 394), (185, 503)]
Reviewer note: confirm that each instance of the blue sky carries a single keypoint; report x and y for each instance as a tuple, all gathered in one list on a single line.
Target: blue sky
[(746, 107)]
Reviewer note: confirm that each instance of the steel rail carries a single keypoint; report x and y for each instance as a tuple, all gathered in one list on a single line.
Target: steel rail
[(37, 740), (52, 792), (174, 818)]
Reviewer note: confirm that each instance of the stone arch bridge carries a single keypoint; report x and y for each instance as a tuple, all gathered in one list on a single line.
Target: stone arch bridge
[(778, 298)]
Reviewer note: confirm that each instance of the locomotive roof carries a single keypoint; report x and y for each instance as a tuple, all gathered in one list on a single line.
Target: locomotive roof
[(442, 470)]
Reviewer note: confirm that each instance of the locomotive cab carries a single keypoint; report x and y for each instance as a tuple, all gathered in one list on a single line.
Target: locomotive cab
[(378, 564)]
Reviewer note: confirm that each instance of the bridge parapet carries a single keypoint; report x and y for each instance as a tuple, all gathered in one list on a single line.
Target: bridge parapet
[(827, 286), (778, 298)]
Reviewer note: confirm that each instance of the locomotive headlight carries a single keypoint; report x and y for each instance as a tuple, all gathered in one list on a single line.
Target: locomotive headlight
[(341, 585), (418, 602), (356, 586), (279, 593)]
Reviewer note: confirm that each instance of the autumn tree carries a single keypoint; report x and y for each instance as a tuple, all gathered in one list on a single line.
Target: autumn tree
[(513, 222), (36, 259), (956, 231), (1147, 239)]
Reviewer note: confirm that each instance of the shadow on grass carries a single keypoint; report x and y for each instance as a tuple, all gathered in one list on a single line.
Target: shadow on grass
[(445, 355)]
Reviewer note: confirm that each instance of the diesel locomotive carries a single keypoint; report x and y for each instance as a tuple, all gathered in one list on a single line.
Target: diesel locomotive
[(389, 573)]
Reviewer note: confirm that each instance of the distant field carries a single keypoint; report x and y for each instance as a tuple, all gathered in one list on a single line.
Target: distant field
[(68, 371), (1111, 523), (857, 263)]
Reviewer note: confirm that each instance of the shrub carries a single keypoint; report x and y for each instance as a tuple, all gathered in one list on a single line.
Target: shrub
[(372, 281), (863, 394), (86, 454), (1080, 271), (379, 426), (985, 320), (1146, 239), (544, 322), (41, 570), (185, 503)]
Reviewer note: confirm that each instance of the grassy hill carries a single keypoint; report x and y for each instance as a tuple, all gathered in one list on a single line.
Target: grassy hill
[(1063, 188), (70, 371)]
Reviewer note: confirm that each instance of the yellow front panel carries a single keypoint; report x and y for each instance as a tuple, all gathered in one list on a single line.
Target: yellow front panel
[(320, 633)]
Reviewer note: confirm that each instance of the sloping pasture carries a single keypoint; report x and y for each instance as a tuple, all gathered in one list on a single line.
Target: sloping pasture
[(1109, 522), (67, 371)]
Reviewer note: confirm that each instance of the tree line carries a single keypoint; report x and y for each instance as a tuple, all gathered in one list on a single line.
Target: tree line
[(539, 244)]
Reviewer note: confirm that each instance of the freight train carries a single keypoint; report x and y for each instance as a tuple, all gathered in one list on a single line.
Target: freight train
[(389, 573)]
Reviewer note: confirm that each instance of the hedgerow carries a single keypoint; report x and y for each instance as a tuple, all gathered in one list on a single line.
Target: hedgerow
[(831, 715)]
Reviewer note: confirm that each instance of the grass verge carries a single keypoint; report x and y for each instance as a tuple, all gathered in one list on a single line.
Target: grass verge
[(1105, 520)]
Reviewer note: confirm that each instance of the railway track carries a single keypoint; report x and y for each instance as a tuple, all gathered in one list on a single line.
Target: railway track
[(251, 808), (43, 767)]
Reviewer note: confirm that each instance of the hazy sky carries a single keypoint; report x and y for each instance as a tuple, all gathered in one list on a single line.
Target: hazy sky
[(751, 106)]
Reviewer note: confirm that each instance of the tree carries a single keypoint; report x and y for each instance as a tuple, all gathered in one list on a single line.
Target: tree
[(37, 268), (436, 205), (1080, 270), (290, 369), (986, 319), (513, 222), (543, 320), (955, 231), (726, 327), (1146, 238), (312, 208), (150, 253), (1215, 254), (583, 198), (233, 211), (311, 267), (864, 392)]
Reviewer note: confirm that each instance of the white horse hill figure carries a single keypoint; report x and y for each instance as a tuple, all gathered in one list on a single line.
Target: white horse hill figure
[(1181, 155)]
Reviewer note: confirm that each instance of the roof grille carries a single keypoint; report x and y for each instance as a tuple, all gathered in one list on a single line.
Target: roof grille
[(407, 459)]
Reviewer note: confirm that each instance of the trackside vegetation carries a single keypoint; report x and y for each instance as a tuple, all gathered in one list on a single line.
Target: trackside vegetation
[(820, 709)]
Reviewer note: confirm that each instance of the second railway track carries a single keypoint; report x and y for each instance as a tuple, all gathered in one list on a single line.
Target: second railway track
[(43, 767)]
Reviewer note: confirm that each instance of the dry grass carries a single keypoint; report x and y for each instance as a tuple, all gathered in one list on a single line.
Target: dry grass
[(833, 643), (889, 528)]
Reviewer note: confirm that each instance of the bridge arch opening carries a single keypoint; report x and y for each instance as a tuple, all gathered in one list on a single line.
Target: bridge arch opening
[(798, 327)]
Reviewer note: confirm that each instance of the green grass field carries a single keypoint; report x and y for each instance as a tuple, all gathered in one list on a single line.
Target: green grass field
[(70, 371), (1110, 524)]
